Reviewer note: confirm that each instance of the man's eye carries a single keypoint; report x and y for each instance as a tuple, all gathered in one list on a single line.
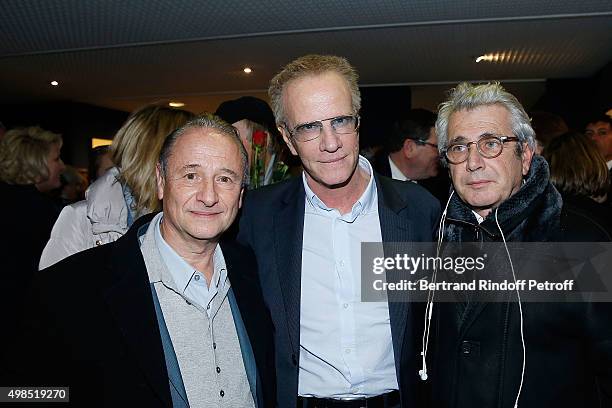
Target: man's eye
[(307, 127), (225, 179), (491, 144), (342, 121), (190, 176), (457, 148)]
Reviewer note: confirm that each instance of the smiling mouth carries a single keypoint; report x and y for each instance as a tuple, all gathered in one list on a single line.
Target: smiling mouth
[(205, 213), (336, 160)]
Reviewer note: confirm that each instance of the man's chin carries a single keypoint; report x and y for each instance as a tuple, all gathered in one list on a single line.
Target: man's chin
[(332, 181)]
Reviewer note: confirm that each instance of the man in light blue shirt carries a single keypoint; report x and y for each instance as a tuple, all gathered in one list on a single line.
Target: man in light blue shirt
[(332, 349)]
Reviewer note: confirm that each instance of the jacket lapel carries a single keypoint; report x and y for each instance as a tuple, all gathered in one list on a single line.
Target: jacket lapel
[(250, 317), (131, 305), (394, 229), (288, 240)]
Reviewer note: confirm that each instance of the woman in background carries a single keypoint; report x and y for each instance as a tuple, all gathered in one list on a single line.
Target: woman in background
[(579, 172), (123, 193), (30, 166)]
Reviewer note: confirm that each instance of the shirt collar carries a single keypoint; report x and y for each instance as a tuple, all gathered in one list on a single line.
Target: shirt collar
[(479, 218), (609, 163), (396, 173), (366, 203), (181, 273)]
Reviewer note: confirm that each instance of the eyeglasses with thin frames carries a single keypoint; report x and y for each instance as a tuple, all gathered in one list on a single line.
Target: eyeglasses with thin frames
[(425, 142), (342, 125)]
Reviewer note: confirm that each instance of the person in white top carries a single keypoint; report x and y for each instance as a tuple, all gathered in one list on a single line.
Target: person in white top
[(123, 193)]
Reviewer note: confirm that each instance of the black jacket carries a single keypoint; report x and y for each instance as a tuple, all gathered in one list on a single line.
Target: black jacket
[(477, 353), (90, 324), (27, 219), (272, 224), (597, 213)]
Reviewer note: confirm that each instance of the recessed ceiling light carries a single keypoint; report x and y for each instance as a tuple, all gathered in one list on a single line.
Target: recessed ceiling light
[(176, 104), (247, 70), (54, 83)]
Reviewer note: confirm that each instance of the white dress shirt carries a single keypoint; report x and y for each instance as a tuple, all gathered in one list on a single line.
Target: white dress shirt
[(346, 348)]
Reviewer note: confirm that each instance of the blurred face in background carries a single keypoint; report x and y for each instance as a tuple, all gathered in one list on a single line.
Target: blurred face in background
[(106, 163), (425, 157), (601, 134), (245, 136), (55, 166)]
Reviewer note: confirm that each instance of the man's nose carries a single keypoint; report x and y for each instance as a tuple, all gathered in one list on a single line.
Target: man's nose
[(474, 161), (329, 140), (207, 193)]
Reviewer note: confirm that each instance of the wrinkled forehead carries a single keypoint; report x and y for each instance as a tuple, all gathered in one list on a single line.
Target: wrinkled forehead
[(484, 120), (198, 143), (317, 96)]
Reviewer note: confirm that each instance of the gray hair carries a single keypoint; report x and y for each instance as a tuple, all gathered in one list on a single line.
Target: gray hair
[(206, 121), (311, 65), (467, 97)]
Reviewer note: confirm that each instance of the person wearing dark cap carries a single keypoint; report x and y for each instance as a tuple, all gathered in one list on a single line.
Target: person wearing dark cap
[(255, 122)]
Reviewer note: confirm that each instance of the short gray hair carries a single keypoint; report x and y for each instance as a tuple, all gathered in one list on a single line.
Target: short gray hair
[(206, 121), (467, 97)]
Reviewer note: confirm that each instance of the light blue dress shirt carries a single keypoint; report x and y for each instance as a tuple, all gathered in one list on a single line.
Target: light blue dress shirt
[(188, 282), (346, 348)]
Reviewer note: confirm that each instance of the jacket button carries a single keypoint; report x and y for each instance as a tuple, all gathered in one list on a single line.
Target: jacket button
[(98, 242), (222, 393), (466, 347), (218, 370), (294, 359)]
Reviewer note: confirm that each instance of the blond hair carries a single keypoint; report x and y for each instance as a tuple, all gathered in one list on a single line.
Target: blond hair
[(24, 153), (310, 65), (136, 147)]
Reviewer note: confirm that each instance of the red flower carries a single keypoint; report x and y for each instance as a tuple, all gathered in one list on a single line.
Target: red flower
[(259, 138)]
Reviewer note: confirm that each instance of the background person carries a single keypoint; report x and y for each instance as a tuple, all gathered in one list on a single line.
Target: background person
[(30, 167), (579, 172), (411, 153), (599, 129), (252, 116), (100, 161), (123, 193)]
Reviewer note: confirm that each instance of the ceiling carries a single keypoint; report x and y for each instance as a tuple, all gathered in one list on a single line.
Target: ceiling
[(122, 54)]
